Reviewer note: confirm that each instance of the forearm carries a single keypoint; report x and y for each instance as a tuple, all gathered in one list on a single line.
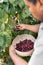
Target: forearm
[(17, 60), (34, 28)]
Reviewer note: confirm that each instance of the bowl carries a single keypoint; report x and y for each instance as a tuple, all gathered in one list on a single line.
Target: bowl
[(21, 38)]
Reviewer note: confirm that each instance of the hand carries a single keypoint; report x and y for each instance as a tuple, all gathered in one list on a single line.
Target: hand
[(12, 50), (21, 26), (15, 58)]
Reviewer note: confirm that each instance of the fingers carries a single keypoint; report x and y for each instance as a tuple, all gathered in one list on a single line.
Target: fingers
[(19, 26), (12, 50)]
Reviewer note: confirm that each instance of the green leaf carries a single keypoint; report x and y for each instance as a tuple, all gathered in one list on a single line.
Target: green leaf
[(5, 0), (1, 41), (3, 27)]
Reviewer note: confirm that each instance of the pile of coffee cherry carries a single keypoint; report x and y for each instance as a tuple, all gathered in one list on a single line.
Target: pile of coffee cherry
[(25, 45)]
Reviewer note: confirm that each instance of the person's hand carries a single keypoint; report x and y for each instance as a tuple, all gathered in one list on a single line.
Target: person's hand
[(12, 50), (21, 26)]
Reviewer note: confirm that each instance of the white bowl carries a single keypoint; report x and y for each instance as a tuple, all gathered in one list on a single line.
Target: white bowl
[(21, 38)]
